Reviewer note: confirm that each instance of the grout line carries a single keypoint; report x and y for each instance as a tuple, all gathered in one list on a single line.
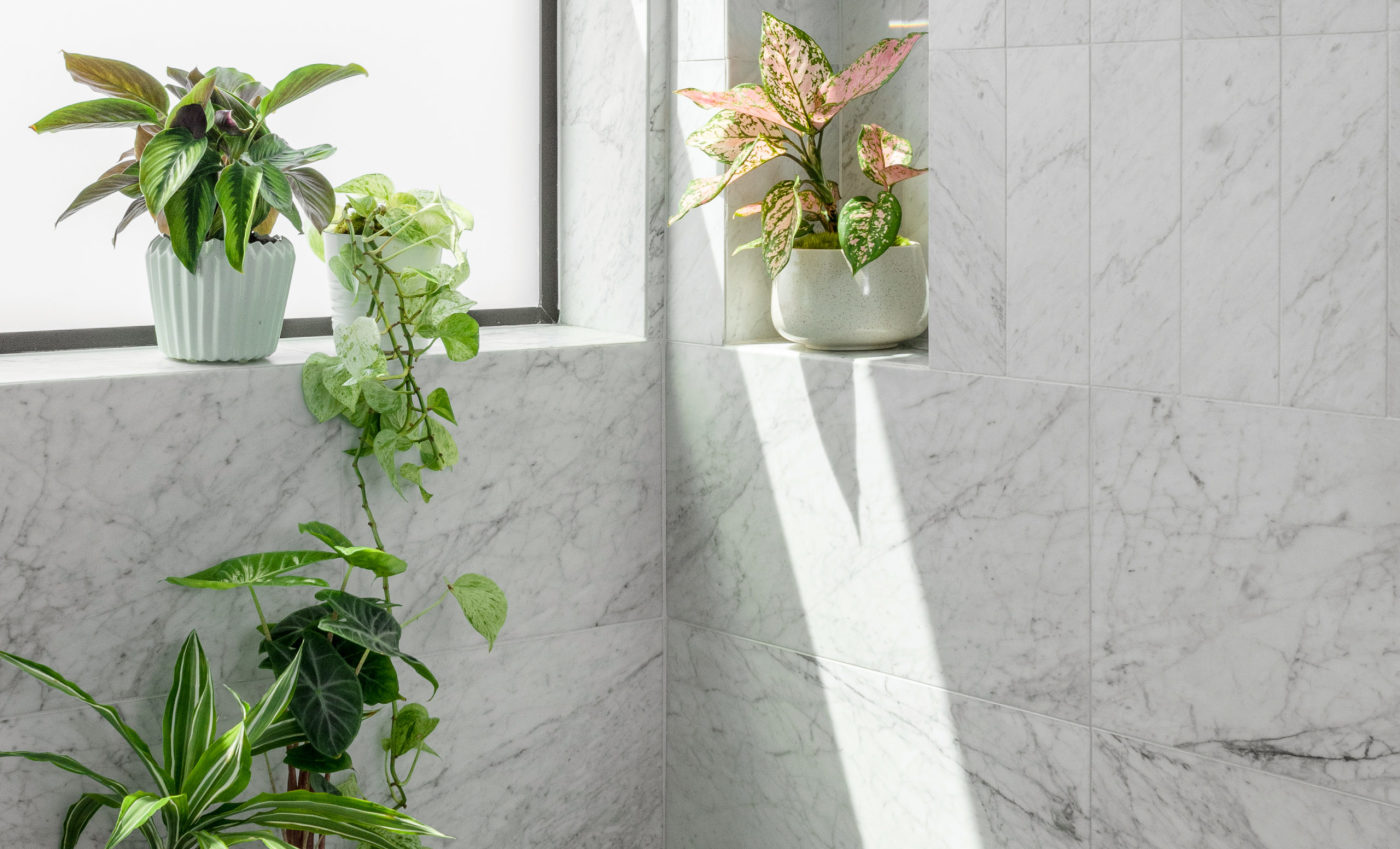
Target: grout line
[(1089, 434), (1168, 40), (1390, 347), (1278, 328), (1181, 204)]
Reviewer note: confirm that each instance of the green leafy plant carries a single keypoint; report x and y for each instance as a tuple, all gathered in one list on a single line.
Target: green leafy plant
[(350, 644), (206, 166), (787, 117), (193, 801)]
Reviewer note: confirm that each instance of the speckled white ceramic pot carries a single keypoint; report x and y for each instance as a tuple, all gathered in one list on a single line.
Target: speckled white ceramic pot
[(218, 314), (818, 303), (345, 307)]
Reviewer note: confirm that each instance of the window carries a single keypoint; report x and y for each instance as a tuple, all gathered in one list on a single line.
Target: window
[(459, 97)]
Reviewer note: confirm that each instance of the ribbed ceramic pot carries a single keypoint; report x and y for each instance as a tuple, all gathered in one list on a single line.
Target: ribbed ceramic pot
[(345, 307), (218, 314), (818, 303)]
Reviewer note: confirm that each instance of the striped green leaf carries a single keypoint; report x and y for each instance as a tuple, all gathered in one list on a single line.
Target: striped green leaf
[(222, 771), (279, 735), (188, 726), (137, 808), (168, 161), (68, 764), (208, 840), (188, 215), (268, 569), (277, 192), (270, 708), (104, 112), (80, 814), (326, 814), (238, 189)]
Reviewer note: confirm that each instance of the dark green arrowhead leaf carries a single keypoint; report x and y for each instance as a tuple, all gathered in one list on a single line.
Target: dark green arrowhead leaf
[(328, 701), (309, 759), (379, 681), (365, 623)]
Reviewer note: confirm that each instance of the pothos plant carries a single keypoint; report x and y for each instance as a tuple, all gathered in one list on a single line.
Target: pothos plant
[(350, 642), (205, 166), (787, 117)]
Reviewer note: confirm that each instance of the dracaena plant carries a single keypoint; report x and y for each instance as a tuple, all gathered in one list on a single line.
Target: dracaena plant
[(351, 641), (203, 161), (787, 117), (196, 796)]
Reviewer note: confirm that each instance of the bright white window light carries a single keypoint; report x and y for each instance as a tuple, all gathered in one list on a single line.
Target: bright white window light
[(451, 102)]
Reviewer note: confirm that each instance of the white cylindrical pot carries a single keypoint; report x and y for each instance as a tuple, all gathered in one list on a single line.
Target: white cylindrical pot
[(346, 306), (218, 314), (818, 303)]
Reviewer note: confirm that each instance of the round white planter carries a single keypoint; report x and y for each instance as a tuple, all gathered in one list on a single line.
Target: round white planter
[(218, 314), (818, 303), (345, 307)]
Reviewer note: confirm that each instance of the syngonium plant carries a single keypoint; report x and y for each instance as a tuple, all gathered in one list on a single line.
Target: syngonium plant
[(787, 116), (206, 166)]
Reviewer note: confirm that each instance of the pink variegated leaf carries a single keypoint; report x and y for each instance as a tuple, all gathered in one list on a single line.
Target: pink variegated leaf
[(885, 157), (702, 190), (782, 217), (811, 204), (868, 228), (749, 209), (746, 99), (728, 133), (864, 75), (793, 69)]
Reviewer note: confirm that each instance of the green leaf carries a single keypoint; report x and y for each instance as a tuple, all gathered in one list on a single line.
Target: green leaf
[(272, 149), (277, 192), (193, 111), (461, 336), (323, 813), (264, 715), (386, 448), (325, 533), (793, 69), (110, 76), (81, 812), (439, 403), (222, 771), (109, 713), (379, 681), (168, 161), (336, 380), (304, 81), (207, 840), (868, 228), (68, 764), (279, 735), (379, 396), (188, 215), (411, 727), (134, 211), (782, 218), (327, 701), (377, 186), (107, 185), (106, 112), (313, 191), (188, 726), (268, 569), (308, 759), (728, 133), (368, 625), (237, 190), (381, 563), (323, 405), (482, 602), (136, 809)]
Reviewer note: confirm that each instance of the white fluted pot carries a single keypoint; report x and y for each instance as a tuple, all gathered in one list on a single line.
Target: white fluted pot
[(346, 306), (218, 314), (818, 303)]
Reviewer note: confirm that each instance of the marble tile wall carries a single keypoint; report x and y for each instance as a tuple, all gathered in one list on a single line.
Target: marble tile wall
[(119, 482)]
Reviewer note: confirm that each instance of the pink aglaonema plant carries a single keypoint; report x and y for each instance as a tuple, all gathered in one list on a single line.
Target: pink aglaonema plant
[(787, 116)]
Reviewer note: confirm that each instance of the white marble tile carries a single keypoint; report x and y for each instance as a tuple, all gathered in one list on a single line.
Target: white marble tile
[(696, 255), (1334, 199), (818, 18), (1305, 17), (1393, 335), (1245, 585), (959, 24), (771, 748), (1146, 797), (700, 30), (659, 104), (967, 209), (1031, 22), (1136, 203), (1136, 20), (603, 69), (557, 497), (1230, 232), (921, 524), (1227, 18), (1047, 211), (547, 742)]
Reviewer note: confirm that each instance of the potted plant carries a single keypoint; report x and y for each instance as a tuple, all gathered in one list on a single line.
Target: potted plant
[(198, 784), (843, 277), (215, 179), (352, 639)]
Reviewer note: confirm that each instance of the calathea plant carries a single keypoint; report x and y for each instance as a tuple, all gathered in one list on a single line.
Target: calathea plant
[(195, 796), (787, 117), (206, 166), (350, 643)]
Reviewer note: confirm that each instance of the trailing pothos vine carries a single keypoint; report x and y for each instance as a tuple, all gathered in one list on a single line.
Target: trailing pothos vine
[(350, 643)]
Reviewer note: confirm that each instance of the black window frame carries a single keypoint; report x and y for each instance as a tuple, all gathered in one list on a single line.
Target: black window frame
[(547, 312)]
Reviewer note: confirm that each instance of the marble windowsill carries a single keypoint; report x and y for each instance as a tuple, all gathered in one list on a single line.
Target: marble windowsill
[(96, 363)]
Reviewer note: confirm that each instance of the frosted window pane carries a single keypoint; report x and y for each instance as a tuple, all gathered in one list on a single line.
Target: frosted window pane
[(452, 101)]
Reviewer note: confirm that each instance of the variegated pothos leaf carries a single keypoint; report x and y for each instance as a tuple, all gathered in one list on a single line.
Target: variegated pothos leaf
[(865, 75), (794, 69), (782, 216), (867, 228), (702, 190), (885, 157), (728, 133), (746, 99)]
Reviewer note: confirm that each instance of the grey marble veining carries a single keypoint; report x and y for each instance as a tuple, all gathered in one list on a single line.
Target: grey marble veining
[(1230, 234), (1047, 210), (1227, 18), (1136, 202), (921, 524), (1136, 20), (1334, 199), (1393, 324), (1245, 585), (1303, 17), (1030, 22), (769, 748), (957, 24), (1146, 797)]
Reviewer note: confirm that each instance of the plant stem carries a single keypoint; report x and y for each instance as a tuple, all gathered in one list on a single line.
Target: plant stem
[(267, 632), (364, 497), (425, 611)]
